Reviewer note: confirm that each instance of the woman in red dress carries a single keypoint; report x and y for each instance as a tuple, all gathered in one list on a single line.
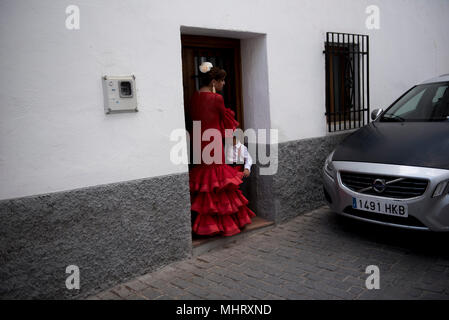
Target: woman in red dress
[(219, 205)]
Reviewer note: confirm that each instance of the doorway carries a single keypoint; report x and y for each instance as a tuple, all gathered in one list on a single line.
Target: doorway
[(223, 53)]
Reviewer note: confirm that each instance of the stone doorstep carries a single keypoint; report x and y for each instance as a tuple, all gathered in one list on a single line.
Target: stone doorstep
[(206, 244)]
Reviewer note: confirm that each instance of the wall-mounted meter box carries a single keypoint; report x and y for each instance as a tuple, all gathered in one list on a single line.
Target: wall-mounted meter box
[(119, 94)]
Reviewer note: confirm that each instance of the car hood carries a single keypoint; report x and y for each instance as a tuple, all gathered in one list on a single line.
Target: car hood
[(422, 144)]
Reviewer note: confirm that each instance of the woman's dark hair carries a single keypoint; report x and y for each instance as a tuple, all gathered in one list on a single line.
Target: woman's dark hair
[(215, 73)]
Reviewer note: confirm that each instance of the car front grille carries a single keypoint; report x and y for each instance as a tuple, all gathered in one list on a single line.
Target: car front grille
[(396, 187)]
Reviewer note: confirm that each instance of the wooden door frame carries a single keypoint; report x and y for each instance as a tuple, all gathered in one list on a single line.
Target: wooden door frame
[(225, 43)]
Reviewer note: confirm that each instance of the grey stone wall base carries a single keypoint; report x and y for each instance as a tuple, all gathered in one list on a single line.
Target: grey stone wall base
[(297, 186), (110, 232)]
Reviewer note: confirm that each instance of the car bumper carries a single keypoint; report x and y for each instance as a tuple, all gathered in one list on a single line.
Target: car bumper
[(425, 212)]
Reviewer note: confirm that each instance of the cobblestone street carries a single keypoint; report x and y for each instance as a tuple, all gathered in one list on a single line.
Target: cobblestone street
[(318, 255)]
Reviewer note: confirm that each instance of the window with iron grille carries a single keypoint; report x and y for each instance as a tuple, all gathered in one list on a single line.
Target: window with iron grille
[(347, 81)]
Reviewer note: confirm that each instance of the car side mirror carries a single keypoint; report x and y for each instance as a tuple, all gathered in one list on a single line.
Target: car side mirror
[(376, 113)]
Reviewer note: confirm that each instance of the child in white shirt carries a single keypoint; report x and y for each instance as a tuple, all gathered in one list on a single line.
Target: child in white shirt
[(238, 155)]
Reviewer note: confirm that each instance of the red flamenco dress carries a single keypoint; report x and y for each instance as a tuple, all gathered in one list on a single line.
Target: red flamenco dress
[(214, 188)]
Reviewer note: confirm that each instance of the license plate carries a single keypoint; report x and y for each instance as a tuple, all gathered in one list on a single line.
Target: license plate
[(390, 208)]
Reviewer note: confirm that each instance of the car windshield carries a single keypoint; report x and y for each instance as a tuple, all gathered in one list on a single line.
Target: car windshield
[(426, 102)]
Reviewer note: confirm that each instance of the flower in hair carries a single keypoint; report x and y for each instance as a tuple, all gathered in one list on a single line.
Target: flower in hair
[(205, 67)]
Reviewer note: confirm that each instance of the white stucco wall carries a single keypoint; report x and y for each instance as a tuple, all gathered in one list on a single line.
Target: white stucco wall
[(55, 136)]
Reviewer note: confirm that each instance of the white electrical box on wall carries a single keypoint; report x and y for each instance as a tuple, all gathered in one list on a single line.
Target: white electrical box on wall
[(119, 94)]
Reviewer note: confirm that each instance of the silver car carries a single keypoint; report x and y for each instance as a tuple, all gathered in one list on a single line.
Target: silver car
[(395, 170)]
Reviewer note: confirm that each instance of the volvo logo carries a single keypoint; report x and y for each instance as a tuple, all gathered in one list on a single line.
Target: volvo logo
[(379, 185)]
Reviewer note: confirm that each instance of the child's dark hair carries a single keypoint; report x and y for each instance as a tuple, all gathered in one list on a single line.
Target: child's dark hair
[(215, 73)]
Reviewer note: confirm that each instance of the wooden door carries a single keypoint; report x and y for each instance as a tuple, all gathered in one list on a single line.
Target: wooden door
[(221, 52)]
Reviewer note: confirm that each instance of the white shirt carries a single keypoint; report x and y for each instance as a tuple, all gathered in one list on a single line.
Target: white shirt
[(239, 154)]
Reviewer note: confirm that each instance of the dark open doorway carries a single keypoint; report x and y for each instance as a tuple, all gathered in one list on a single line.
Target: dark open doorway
[(224, 53)]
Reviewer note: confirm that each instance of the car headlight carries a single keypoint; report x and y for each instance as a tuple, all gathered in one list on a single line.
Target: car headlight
[(329, 166), (440, 189)]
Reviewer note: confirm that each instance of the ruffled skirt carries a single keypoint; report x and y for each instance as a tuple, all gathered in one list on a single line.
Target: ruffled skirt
[(215, 196)]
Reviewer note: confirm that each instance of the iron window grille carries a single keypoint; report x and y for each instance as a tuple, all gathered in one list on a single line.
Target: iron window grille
[(347, 81)]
